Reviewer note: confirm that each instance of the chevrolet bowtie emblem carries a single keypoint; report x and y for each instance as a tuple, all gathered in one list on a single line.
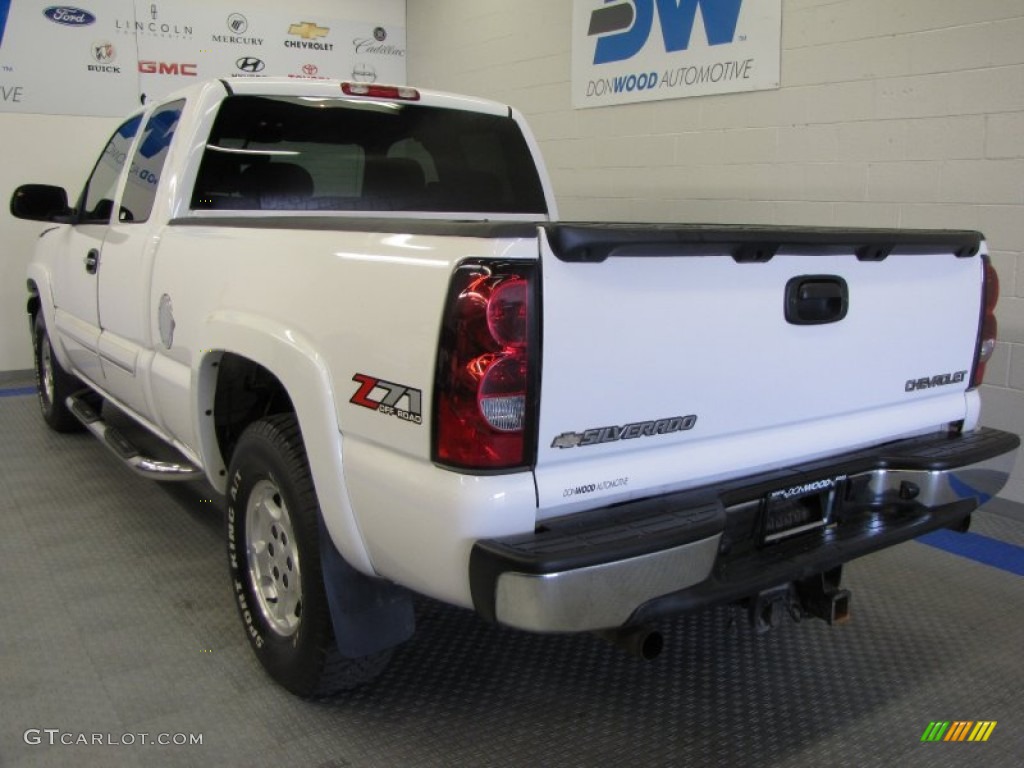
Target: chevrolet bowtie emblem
[(307, 30)]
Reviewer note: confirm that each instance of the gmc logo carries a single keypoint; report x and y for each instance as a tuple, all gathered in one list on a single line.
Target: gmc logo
[(163, 68)]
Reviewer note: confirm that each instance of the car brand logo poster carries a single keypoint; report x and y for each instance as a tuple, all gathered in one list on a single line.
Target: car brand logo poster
[(101, 57), (627, 51), (66, 59)]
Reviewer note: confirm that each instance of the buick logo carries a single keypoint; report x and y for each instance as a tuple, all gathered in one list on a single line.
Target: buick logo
[(250, 64), (103, 52), (237, 23), (68, 16)]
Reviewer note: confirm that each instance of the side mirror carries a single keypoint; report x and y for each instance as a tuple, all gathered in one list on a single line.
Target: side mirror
[(40, 202)]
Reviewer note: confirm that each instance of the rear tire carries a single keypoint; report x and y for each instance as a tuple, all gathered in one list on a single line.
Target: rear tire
[(53, 384), (274, 560)]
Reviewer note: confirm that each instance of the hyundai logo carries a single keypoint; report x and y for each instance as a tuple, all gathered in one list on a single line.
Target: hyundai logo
[(250, 64), (68, 16)]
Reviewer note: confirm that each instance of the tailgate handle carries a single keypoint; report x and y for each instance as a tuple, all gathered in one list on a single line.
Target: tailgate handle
[(816, 299)]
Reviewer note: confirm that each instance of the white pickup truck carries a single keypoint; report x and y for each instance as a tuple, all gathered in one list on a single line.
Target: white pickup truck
[(353, 309)]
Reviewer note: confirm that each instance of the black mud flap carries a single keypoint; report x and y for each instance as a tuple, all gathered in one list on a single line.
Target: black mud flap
[(369, 615)]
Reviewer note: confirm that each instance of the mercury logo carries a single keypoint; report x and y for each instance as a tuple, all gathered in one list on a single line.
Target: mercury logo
[(237, 23)]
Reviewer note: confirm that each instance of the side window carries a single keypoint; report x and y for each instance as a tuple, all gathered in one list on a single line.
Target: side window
[(97, 200), (148, 163)]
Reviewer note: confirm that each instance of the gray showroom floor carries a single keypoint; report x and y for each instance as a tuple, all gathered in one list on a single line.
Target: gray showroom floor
[(117, 619)]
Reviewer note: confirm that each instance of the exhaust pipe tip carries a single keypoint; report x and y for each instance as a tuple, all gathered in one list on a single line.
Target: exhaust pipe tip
[(642, 642)]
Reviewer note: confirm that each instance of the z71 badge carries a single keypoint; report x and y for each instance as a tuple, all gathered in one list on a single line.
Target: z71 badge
[(600, 435), (384, 397)]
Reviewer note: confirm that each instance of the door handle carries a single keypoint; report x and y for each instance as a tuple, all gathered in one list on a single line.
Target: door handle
[(816, 299), (92, 261)]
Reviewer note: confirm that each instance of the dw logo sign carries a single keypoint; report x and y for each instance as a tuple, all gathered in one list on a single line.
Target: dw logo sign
[(632, 21), (643, 50)]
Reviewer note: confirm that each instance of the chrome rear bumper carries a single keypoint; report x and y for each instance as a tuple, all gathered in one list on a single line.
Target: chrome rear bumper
[(638, 561)]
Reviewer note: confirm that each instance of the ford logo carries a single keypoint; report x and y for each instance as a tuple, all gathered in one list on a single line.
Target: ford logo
[(72, 17)]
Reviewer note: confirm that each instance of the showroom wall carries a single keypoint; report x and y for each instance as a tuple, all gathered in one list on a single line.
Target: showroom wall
[(890, 114), (60, 149)]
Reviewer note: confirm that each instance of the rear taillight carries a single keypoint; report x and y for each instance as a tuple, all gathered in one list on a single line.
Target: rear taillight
[(988, 327), (485, 397)]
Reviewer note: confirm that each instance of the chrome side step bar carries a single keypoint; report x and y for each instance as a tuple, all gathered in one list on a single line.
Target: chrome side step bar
[(126, 450)]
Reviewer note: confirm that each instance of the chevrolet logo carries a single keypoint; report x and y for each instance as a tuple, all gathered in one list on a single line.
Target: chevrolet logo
[(567, 440), (307, 30)]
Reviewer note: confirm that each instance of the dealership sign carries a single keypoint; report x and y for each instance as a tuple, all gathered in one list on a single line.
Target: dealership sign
[(625, 51)]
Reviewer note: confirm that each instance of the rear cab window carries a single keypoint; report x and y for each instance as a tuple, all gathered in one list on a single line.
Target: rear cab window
[(148, 163), (336, 154)]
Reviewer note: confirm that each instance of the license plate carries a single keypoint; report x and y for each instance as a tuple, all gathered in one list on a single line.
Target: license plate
[(799, 508)]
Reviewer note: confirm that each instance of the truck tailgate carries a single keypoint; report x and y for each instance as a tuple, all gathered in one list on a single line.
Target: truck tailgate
[(676, 356)]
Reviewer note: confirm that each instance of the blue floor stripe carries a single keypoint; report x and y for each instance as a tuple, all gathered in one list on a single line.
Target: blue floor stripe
[(998, 554), (17, 392)]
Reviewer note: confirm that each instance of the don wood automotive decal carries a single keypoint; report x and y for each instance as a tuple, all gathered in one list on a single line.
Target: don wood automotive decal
[(645, 50)]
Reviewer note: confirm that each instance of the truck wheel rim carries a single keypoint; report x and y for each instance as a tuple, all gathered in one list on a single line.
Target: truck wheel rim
[(273, 558), (46, 369)]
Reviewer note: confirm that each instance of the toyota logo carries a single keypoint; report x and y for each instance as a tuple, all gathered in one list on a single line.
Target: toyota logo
[(250, 64)]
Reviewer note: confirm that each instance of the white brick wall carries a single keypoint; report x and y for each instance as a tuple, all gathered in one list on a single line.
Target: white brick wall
[(907, 113)]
